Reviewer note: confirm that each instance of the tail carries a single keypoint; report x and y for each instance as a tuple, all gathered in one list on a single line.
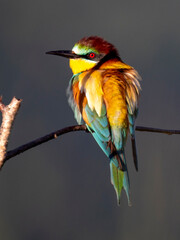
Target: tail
[(120, 179), (133, 140), (119, 174), (134, 151)]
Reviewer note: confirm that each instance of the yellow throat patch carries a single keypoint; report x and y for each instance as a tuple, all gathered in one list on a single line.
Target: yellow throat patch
[(80, 65)]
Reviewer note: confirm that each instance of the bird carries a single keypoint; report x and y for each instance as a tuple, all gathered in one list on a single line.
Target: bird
[(104, 94)]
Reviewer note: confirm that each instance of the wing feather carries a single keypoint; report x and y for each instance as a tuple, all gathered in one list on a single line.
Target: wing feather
[(132, 96)]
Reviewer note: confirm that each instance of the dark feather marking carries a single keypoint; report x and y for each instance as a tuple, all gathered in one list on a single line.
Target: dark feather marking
[(80, 100)]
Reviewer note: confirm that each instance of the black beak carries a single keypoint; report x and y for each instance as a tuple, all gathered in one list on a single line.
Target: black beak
[(64, 53)]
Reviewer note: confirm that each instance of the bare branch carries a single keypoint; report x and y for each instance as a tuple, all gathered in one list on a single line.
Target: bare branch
[(8, 116), (60, 132), (157, 130), (44, 139)]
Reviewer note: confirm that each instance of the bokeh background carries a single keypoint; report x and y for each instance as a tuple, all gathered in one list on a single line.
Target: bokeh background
[(62, 189)]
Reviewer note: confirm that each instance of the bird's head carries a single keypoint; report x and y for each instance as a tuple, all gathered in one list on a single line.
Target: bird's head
[(88, 53)]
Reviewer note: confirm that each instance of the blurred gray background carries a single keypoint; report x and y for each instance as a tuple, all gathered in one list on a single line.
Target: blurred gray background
[(62, 189)]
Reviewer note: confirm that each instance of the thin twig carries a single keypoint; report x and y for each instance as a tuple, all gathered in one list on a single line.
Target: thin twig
[(8, 115), (157, 130), (43, 139), (60, 132)]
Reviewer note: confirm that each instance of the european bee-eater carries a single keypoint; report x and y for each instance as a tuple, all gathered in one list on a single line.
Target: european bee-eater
[(104, 92)]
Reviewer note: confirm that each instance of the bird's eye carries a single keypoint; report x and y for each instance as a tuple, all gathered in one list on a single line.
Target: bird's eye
[(91, 55)]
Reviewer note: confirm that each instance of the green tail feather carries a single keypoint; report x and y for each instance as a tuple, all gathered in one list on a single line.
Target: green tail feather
[(119, 180)]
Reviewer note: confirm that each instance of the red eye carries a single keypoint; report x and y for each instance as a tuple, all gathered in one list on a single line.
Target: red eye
[(92, 55)]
